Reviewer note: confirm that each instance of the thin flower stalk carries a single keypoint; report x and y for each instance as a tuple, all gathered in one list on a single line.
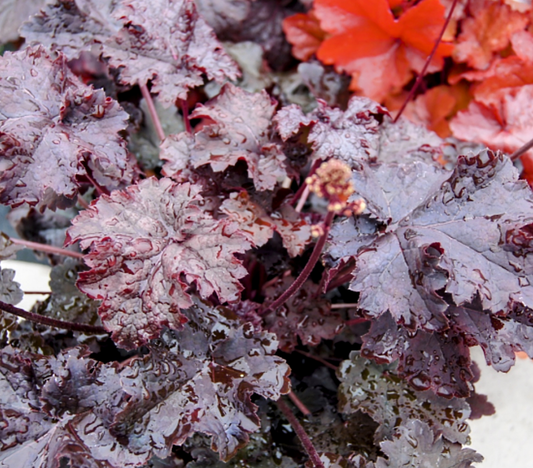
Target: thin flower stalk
[(299, 404), (185, 113), (153, 113), (302, 435), (332, 181), (426, 65)]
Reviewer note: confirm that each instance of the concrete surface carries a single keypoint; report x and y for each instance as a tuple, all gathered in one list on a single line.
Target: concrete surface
[(505, 439)]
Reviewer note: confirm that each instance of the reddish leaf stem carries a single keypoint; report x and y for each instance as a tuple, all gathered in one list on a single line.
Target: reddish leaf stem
[(300, 432), (82, 202), (298, 282), (185, 113), (356, 321), (420, 76), (302, 200), (99, 190), (298, 403), (50, 321), (345, 275), (153, 113), (37, 292), (318, 359), (343, 306), (520, 151), (46, 248)]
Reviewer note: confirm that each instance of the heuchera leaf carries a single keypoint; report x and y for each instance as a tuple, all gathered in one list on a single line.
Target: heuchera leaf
[(404, 140), (415, 446), (174, 54), (148, 245), (54, 130), (391, 402), (259, 226), (349, 135), (453, 242), (67, 302), (94, 414), (467, 240), (505, 126), (504, 75), (239, 129), (304, 33), (72, 25), (436, 360), (433, 108), (21, 419), (11, 293), (303, 316)]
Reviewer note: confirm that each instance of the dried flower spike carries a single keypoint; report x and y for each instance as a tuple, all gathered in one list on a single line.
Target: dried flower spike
[(333, 181)]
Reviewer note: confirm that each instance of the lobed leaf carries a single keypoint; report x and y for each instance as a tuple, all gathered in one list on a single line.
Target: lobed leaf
[(174, 55), (238, 128), (255, 223), (55, 131), (304, 316), (109, 415), (469, 237), (379, 392), (72, 26), (415, 446), (149, 244), (350, 136)]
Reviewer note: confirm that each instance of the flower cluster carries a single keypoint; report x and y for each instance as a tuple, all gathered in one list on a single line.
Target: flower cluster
[(333, 181)]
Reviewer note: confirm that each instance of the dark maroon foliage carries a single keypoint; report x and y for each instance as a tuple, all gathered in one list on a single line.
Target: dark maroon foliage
[(54, 130), (266, 248), (148, 245)]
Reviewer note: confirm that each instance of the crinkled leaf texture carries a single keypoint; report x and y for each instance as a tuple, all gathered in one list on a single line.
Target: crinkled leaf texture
[(174, 53), (363, 132), (349, 135), (391, 402), (11, 293), (67, 302), (54, 130), (120, 415), (239, 127), (148, 244), (259, 226), (304, 316), (415, 446), (449, 238), (72, 25), (7, 248)]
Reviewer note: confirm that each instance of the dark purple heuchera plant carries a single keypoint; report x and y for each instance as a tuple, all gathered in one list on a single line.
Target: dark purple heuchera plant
[(269, 242)]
